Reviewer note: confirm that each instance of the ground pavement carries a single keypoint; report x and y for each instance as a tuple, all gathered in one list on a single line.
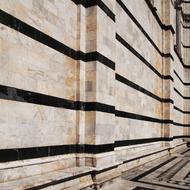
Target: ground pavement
[(163, 174)]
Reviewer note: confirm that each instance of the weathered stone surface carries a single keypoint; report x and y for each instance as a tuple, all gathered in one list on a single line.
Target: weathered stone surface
[(90, 85)]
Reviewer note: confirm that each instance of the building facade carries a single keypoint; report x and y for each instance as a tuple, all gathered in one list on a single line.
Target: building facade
[(90, 89)]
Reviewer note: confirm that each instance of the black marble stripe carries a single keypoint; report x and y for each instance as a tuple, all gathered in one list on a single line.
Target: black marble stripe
[(186, 27), (184, 97), (185, 16), (35, 152), (181, 136), (129, 115), (40, 152), (185, 151), (130, 142), (163, 26), (142, 30), (95, 106), (185, 1), (180, 110), (141, 188), (43, 38), (96, 149), (185, 46), (96, 172), (10, 93), (132, 50), (184, 83), (141, 89), (99, 3), (181, 124), (15, 94)]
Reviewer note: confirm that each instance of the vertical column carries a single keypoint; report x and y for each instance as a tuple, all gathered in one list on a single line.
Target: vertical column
[(100, 86), (178, 27), (81, 77), (167, 70)]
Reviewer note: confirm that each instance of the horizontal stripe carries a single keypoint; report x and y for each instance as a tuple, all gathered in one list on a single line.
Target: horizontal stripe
[(131, 142), (185, 16), (10, 93), (99, 3), (43, 38), (129, 115), (184, 97), (96, 172), (185, 1), (180, 110), (163, 26), (186, 27), (140, 57), (184, 112), (180, 124), (140, 141), (181, 136), (142, 188), (35, 152), (40, 152), (141, 89), (185, 46), (15, 94), (96, 149), (184, 83), (134, 116), (142, 30)]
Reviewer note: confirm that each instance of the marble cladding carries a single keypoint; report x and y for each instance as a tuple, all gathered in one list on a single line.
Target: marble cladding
[(16, 173), (130, 95), (30, 65), (45, 15), (27, 64), (29, 125), (146, 19)]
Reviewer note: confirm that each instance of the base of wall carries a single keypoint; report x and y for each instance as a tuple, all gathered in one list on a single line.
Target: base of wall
[(109, 175), (79, 177)]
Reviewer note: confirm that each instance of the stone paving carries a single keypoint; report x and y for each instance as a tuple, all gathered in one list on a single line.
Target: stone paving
[(166, 173)]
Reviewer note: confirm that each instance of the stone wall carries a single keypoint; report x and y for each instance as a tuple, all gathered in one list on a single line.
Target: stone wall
[(90, 87)]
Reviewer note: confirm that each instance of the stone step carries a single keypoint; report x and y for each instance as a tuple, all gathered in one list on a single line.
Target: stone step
[(75, 176)]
